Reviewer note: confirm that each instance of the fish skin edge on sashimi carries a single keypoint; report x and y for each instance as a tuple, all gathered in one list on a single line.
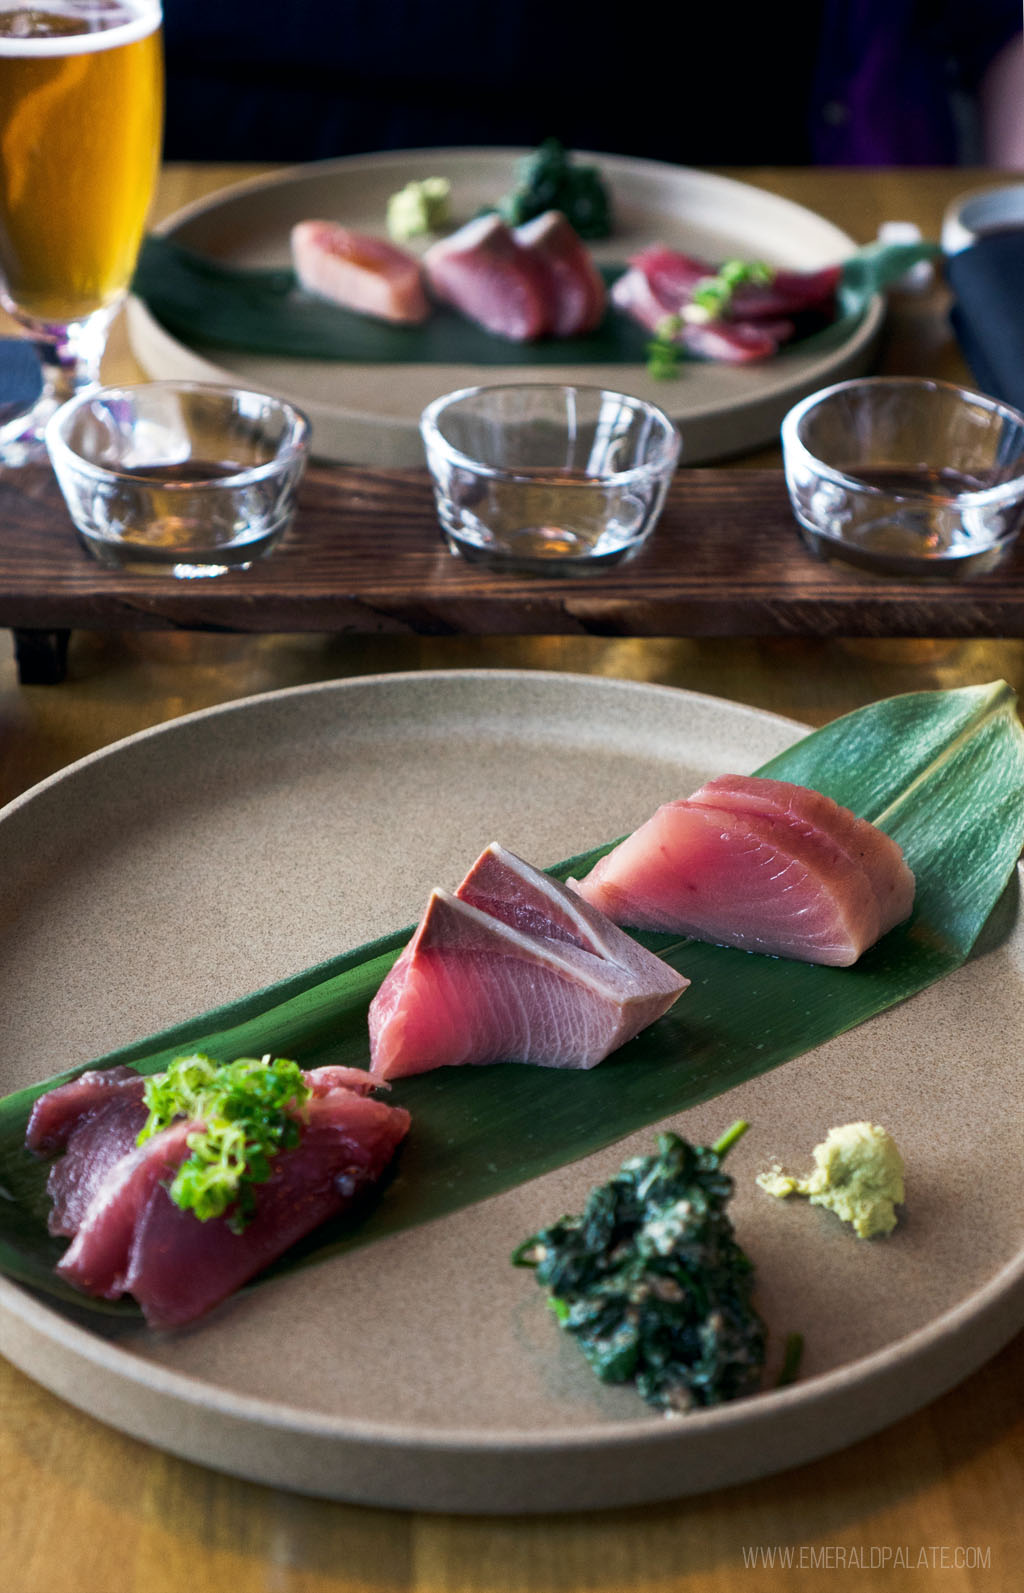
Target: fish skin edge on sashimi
[(514, 967)]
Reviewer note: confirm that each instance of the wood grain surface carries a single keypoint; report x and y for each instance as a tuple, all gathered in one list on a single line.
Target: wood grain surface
[(932, 1503), (365, 554)]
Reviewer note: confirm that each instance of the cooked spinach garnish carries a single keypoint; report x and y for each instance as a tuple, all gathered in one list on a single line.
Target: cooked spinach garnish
[(549, 180), (792, 1355), (650, 1281)]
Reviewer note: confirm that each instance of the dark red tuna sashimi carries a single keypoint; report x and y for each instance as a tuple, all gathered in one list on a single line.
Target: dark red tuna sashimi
[(482, 272), (671, 275), (95, 1144), (180, 1268), (730, 342), (673, 278), (574, 292), (514, 967), (788, 293), (96, 1261), (129, 1237), (61, 1110), (761, 865), (735, 342), (756, 321), (632, 293)]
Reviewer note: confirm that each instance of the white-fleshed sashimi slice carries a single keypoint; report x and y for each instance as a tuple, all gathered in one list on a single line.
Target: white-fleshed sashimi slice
[(760, 864), (514, 967), (574, 291), (359, 271), (484, 274)]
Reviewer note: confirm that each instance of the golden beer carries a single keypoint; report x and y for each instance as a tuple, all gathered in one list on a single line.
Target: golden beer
[(81, 115)]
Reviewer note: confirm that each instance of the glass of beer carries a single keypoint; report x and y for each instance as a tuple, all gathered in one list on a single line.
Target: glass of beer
[(81, 119)]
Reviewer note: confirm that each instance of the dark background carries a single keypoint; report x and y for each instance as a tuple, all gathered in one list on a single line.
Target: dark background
[(793, 83)]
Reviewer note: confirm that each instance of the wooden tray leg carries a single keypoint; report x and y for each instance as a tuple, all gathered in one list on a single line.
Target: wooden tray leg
[(42, 656)]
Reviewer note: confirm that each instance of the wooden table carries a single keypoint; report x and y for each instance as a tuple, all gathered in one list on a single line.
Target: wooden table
[(932, 1502)]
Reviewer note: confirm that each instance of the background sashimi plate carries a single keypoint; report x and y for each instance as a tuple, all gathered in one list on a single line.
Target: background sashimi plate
[(194, 863), (368, 414)]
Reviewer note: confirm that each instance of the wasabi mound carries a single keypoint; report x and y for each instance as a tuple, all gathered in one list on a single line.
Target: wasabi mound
[(858, 1174)]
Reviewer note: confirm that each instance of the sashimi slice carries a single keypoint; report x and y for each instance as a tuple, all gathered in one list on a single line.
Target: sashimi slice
[(130, 1237), (731, 342), (96, 1261), (514, 967), (179, 1268), (574, 289), (757, 320), (735, 342), (761, 865), (483, 273), (788, 293), (361, 272), (62, 1109), (865, 844), (671, 275), (98, 1141)]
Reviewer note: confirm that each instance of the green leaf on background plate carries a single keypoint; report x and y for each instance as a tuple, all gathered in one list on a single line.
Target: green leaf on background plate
[(942, 772), (262, 311)]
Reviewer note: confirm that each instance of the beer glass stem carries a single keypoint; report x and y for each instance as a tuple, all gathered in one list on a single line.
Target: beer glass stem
[(69, 357)]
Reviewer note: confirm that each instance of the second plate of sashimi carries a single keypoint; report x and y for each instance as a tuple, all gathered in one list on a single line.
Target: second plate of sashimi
[(367, 412)]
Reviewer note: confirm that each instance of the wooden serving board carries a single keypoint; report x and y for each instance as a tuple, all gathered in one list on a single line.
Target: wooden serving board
[(365, 555)]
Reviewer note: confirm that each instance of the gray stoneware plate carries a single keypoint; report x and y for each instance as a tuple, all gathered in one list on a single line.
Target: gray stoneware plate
[(185, 867), (369, 414)]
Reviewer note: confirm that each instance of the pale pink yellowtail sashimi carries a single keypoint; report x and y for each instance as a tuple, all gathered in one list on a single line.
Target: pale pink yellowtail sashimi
[(759, 864), (513, 966)]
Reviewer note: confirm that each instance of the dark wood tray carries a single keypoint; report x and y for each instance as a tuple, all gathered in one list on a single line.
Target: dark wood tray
[(365, 555)]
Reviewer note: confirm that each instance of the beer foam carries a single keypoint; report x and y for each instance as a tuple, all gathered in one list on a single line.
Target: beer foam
[(123, 23)]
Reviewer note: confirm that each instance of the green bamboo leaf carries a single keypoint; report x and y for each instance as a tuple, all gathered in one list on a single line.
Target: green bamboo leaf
[(260, 311), (943, 772)]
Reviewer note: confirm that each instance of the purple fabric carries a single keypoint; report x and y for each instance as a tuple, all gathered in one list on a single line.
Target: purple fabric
[(896, 81)]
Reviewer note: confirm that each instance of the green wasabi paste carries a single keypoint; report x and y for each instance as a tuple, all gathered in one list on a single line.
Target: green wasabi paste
[(419, 208), (858, 1174)]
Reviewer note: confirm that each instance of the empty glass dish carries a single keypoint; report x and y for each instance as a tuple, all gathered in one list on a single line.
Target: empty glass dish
[(547, 479)]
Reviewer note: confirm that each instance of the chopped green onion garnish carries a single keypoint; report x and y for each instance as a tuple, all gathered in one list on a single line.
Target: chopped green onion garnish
[(663, 351), (712, 295), (244, 1111)]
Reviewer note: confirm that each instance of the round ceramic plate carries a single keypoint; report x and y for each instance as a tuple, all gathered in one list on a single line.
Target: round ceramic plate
[(199, 861), (369, 414)]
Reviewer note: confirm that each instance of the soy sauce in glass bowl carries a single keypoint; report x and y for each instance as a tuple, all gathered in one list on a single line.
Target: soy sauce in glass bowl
[(906, 476)]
